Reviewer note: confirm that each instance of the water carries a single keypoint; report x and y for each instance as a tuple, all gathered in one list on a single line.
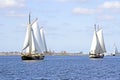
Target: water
[(60, 68)]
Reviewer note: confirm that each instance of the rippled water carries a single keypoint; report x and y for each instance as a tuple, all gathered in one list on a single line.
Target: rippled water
[(60, 68)]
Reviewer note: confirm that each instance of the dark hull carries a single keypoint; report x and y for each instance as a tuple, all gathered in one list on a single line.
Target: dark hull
[(113, 54), (32, 57), (96, 55)]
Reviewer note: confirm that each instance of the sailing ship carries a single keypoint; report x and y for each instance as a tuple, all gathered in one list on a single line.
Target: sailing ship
[(98, 47), (115, 50), (34, 45)]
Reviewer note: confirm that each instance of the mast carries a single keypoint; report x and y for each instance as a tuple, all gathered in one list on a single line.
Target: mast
[(30, 38), (115, 49), (29, 19), (95, 27)]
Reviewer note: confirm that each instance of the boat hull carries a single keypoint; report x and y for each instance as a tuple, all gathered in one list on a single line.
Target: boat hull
[(32, 57), (101, 55), (113, 54)]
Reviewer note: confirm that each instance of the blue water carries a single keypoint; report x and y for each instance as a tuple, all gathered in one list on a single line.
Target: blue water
[(60, 68)]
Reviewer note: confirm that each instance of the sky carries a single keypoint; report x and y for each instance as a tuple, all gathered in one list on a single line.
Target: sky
[(68, 24)]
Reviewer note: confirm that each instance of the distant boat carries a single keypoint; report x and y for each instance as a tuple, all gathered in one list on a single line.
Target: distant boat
[(34, 45), (115, 50), (98, 47)]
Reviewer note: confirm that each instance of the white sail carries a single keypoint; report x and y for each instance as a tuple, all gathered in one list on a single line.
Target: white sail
[(33, 41), (34, 44), (97, 45), (43, 40), (31, 46), (37, 36), (115, 50), (26, 42), (93, 45), (101, 40)]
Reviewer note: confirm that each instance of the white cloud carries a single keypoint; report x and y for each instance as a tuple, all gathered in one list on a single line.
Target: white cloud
[(110, 5), (72, 0), (106, 17), (11, 3), (106, 7), (83, 11), (14, 14), (62, 0)]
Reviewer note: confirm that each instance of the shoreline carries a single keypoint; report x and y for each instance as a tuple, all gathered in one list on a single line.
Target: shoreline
[(49, 54), (46, 54)]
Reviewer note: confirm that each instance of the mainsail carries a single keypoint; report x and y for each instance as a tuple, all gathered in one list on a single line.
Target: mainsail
[(98, 45), (101, 40)]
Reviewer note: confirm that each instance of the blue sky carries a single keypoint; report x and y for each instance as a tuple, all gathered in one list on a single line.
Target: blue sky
[(68, 24)]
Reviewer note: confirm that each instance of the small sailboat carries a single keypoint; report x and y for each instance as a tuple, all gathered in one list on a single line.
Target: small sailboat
[(115, 50), (34, 45), (98, 47)]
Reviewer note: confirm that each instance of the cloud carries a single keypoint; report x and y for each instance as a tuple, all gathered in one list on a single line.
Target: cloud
[(72, 0), (83, 11), (106, 17), (111, 5), (14, 14), (106, 7), (62, 0), (100, 13), (11, 3)]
